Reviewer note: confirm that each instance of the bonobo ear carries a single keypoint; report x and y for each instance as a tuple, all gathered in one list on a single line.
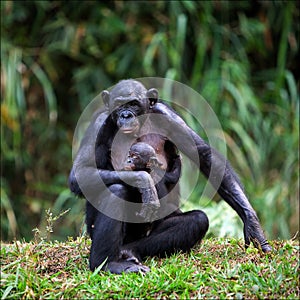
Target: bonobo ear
[(154, 163), (105, 97), (152, 95)]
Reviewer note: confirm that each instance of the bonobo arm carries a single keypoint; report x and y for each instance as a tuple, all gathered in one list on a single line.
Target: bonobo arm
[(174, 174), (93, 181), (228, 186)]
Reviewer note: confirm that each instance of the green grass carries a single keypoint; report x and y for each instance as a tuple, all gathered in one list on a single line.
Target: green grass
[(218, 268)]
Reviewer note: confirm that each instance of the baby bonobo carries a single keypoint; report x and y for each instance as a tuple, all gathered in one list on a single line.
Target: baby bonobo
[(142, 157)]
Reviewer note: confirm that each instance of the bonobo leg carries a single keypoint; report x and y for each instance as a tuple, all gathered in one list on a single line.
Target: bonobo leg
[(180, 231), (107, 237)]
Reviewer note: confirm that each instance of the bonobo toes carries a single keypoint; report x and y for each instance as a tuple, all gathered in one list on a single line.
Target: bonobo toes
[(127, 263), (119, 267), (136, 269)]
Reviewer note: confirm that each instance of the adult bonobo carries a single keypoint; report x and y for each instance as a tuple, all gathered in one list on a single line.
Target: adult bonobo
[(121, 238)]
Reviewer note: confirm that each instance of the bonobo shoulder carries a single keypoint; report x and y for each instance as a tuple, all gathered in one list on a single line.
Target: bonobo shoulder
[(162, 107), (98, 120), (99, 115)]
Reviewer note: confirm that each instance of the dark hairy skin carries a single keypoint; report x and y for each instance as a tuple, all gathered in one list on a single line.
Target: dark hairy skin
[(123, 245)]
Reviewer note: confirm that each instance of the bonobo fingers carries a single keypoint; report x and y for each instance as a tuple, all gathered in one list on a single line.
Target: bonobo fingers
[(148, 211), (149, 196), (150, 204), (265, 247), (253, 233), (143, 179)]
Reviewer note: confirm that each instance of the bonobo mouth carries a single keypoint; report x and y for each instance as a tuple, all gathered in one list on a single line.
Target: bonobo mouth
[(129, 167), (129, 130)]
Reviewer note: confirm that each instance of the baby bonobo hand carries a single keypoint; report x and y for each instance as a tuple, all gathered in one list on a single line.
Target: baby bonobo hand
[(142, 157)]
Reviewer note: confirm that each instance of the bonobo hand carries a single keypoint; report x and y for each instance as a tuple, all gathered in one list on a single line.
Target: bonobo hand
[(145, 184), (149, 211), (144, 180), (149, 199), (253, 233), (150, 204), (139, 179)]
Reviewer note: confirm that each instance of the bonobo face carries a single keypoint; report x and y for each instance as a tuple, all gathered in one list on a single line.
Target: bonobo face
[(125, 115), (141, 157), (128, 100)]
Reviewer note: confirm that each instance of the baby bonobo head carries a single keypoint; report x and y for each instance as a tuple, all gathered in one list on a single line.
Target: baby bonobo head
[(142, 157)]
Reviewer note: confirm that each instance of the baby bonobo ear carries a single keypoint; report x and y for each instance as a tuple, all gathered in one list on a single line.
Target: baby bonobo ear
[(105, 97), (154, 163), (152, 95)]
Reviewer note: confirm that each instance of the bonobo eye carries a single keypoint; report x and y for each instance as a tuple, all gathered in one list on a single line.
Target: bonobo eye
[(118, 103), (133, 155), (134, 103)]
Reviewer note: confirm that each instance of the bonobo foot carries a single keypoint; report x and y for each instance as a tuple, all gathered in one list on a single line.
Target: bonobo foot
[(127, 263)]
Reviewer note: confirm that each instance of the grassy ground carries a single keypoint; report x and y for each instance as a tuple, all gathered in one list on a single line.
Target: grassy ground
[(218, 268)]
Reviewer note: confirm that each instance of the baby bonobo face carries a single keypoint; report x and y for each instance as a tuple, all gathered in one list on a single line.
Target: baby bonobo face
[(141, 157)]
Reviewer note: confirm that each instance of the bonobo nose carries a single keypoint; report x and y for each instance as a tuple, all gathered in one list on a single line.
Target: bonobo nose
[(127, 115)]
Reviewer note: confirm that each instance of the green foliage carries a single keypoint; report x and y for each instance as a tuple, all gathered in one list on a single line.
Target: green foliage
[(218, 268), (56, 56)]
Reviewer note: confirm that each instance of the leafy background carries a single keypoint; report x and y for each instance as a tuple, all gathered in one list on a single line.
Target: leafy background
[(56, 56)]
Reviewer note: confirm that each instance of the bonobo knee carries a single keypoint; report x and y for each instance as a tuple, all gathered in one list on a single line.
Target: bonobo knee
[(73, 184), (201, 219)]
